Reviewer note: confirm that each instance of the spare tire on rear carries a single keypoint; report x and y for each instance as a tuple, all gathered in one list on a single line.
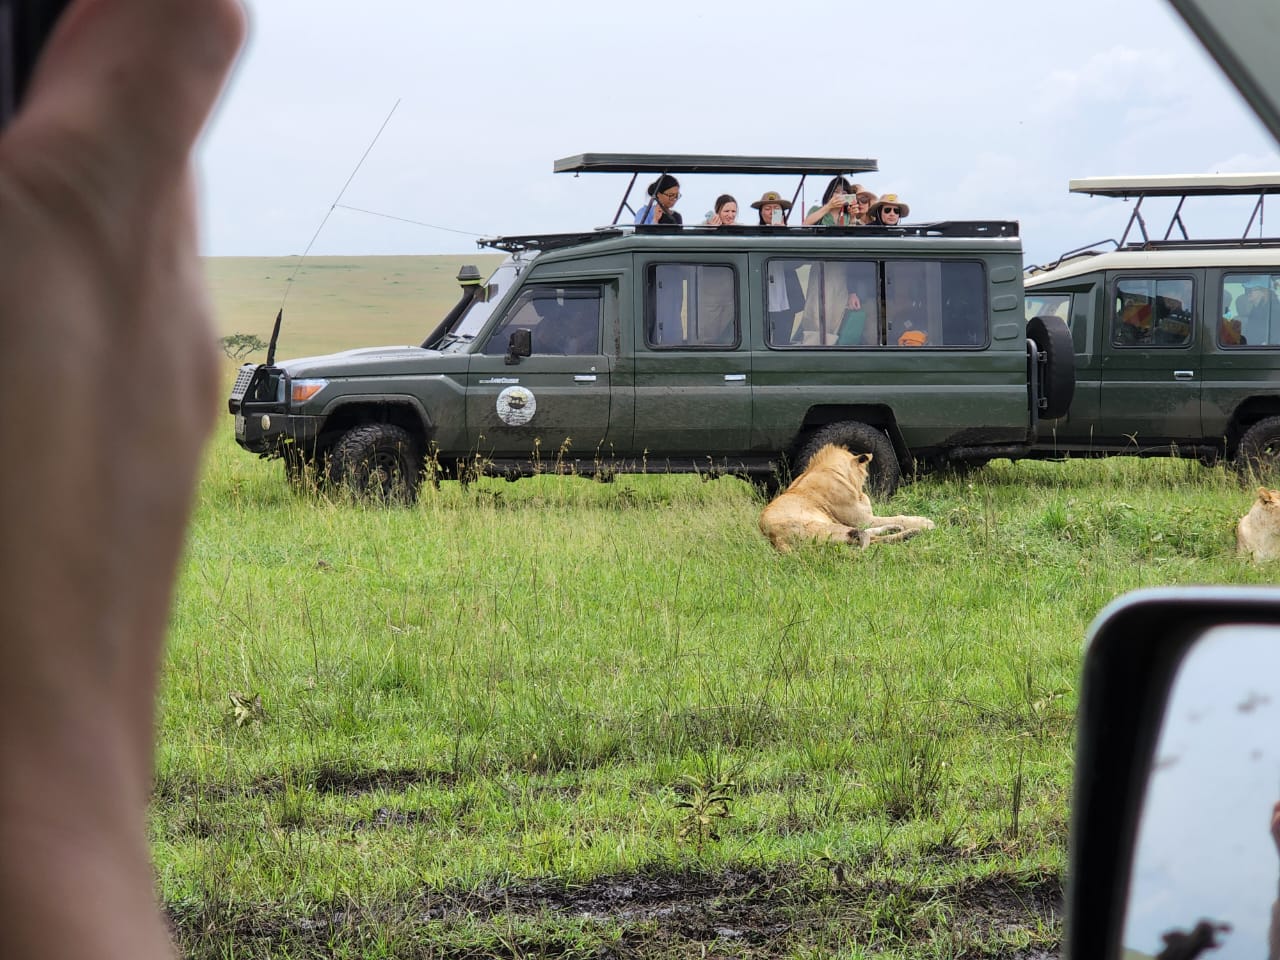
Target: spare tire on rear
[(1058, 375)]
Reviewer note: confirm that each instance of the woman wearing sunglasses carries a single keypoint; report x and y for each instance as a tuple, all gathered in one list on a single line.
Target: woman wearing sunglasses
[(888, 211)]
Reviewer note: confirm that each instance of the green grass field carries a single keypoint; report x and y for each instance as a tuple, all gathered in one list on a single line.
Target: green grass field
[(558, 718), (333, 303)]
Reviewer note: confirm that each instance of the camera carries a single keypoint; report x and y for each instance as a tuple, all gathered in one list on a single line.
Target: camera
[(24, 27)]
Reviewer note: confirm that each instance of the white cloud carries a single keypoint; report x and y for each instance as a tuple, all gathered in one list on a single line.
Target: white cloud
[(971, 113)]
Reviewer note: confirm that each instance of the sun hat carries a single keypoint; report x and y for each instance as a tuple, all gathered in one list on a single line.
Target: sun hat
[(889, 200), (771, 196), (1254, 281)]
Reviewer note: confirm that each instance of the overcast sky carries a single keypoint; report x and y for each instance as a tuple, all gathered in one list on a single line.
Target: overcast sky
[(979, 110)]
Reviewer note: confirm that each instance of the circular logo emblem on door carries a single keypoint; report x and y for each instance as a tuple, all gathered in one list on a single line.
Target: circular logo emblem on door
[(516, 406)]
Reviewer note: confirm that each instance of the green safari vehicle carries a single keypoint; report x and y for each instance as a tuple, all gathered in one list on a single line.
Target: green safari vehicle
[(1176, 338), (718, 350)]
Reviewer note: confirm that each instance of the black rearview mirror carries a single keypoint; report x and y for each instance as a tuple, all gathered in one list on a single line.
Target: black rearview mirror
[(520, 345), (1177, 777)]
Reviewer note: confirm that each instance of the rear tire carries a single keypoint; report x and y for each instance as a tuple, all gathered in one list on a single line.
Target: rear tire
[(1258, 455), (376, 461), (1053, 340), (884, 472)]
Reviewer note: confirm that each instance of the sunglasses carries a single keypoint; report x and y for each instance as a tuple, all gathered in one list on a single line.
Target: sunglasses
[(894, 210), (668, 195)]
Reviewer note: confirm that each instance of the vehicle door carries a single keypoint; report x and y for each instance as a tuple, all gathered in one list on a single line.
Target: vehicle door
[(1151, 370), (692, 360), (1242, 359), (556, 400)]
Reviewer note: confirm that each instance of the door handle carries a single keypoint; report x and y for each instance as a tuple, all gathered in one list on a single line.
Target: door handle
[(734, 377), (584, 378), (1184, 374)]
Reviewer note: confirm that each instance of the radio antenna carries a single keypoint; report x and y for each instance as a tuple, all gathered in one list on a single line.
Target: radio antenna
[(275, 333)]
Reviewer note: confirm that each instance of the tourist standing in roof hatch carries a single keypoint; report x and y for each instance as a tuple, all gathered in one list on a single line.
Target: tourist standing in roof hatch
[(725, 213), (839, 207), (663, 194), (773, 209), (888, 210)]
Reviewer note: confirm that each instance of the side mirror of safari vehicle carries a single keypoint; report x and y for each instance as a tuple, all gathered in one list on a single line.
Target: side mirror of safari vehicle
[(520, 345), (1176, 809)]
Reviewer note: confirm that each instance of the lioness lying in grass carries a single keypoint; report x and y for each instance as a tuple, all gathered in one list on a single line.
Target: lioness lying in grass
[(1258, 532), (828, 502)]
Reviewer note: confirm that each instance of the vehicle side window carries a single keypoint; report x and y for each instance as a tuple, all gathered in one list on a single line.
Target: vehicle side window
[(844, 303), (1048, 305), (692, 305), (563, 321), (1250, 313), (1071, 308), (822, 303), (1153, 312), (934, 303)]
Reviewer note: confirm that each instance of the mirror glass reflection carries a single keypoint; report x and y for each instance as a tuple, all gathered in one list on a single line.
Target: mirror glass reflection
[(1207, 848)]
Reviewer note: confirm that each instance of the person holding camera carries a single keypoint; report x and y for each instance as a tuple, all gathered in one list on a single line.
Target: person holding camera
[(773, 209), (839, 205), (725, 212), (663, 194)]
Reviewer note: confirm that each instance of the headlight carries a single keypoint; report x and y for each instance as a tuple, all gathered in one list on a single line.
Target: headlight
[(300, 391)]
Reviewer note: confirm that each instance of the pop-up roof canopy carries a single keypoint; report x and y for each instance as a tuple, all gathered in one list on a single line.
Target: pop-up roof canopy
[(1181, 186), (709, 163), (638, 163)]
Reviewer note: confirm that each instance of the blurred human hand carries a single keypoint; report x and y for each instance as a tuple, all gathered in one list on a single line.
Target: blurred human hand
[(108, 384)]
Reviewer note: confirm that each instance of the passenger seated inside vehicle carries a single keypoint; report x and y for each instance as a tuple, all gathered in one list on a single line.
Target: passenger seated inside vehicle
[(562, 321), (1257, 309), (1133, 313), (784, 298), (839, 305), (1173, 322)]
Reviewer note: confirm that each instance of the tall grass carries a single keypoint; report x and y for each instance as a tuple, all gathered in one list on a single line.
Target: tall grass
[(515, 684)]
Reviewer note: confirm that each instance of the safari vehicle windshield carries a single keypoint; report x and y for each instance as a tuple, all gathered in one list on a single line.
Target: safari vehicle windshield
[(465, 328)]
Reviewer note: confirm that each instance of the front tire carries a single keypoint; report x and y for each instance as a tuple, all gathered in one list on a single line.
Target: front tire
[(885, 472), (377, 461)]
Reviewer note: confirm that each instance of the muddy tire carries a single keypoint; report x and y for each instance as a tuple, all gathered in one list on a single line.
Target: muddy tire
[(884, 473), (1053, 340), (376, 461), (1259, 453)]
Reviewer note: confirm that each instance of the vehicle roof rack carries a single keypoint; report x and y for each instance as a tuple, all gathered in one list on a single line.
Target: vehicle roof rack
[(547, 241), (1181, 186), (940, 228), (663, 163)]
